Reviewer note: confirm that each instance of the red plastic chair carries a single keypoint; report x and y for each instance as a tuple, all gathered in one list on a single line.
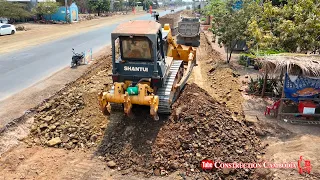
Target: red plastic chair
[(274, 107)]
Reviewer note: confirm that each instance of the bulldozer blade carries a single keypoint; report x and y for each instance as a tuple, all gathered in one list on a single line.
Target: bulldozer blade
[(105, 108)]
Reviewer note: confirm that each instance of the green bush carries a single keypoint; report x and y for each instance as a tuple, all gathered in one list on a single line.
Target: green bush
[(267, 52), (242, 61), (255, 86), (245, 57), (203, 19), (252, 55)]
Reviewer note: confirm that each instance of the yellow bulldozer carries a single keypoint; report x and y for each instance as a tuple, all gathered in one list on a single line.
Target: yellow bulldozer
[(151, 69)]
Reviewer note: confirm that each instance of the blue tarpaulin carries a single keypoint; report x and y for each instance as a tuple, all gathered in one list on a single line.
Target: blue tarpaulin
[(300, 87), (60, 15), (237, 5)]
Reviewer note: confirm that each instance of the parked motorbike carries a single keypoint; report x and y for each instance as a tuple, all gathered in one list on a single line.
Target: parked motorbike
[(77, 58)]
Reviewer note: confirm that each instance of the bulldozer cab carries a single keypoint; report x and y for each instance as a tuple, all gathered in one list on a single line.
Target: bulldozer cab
[(141, 54)]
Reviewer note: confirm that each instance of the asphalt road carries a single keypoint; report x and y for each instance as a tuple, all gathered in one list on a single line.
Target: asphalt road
[(23, 68)]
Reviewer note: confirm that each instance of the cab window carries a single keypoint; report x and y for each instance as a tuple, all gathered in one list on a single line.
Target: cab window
[(136, 48)]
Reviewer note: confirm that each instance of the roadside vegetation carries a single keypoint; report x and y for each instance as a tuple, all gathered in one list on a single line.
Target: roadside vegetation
[(13, 10), (45, 8), (276, 26), (21, 12)]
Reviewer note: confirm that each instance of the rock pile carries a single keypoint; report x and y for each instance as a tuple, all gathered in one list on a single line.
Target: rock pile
[(86, 17), (187, 13), (21, 28), (172, 15), (199, 128), (56, 125), (72, 118)]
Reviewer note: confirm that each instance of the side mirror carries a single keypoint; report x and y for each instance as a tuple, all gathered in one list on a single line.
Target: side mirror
[(72, 49)]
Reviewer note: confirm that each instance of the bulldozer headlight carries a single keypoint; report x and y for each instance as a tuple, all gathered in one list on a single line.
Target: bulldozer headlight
[(115, 78), (155, 81)]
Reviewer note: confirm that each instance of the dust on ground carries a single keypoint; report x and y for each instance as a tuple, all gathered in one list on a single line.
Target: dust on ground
[(50, 163)]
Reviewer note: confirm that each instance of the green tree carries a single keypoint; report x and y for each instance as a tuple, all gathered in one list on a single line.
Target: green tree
[(46, 8), (262, 31), (301, 21), (294, 25), (288, 25), (99, 6), (148, 3), (278, 2), (132, 3), (118, 5), (230, 24), (62, 2), (83, 5), (13, 10)]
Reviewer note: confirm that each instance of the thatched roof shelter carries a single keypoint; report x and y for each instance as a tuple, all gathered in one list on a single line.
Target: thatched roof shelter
[(294, 64)]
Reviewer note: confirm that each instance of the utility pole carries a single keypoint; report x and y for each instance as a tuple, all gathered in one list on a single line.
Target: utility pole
[(112, 5), (66, 5)]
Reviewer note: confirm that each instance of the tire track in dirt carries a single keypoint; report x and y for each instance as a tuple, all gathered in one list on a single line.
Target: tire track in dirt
[(51, 163), (204, 55), (198, 79), (221, 81)]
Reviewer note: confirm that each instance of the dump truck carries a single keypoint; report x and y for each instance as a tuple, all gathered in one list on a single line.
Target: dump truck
[(189, 31), (151, 69)]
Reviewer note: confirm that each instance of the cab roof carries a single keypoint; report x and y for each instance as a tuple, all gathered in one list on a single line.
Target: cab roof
[(138, 27)]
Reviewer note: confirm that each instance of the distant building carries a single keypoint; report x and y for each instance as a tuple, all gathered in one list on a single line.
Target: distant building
[(60, 15)]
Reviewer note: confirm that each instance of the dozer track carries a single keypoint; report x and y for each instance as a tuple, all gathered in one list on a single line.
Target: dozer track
[(166, 94)]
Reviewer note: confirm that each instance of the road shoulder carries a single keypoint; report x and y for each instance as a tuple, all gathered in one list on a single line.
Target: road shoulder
[(17, 105)]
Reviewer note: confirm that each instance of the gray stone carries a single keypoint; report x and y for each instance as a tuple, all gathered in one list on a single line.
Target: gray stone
[(54, 141), (111, 164), (64, 138), (94, 138), (48, 118)]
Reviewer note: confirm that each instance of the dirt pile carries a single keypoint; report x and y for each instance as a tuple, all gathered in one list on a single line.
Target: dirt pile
[(224, 81), (187, 13), (204, 128), (72, 118), (200, 128), (172, 15), (86, 17), (21, 28)]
